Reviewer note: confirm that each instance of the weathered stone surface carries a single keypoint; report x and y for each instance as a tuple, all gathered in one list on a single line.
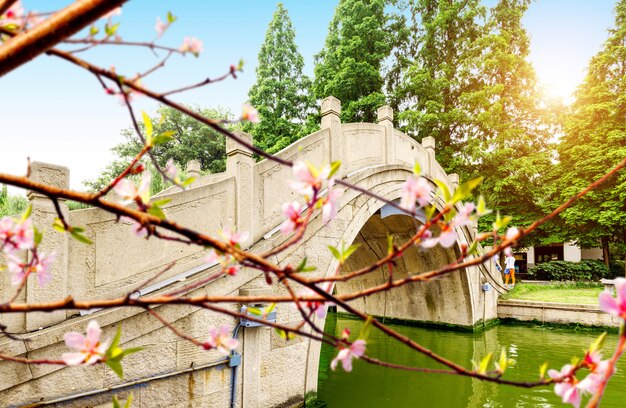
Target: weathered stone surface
[(249, 196)]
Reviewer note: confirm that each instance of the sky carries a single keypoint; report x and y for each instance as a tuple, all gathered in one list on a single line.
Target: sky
[(54, 112)]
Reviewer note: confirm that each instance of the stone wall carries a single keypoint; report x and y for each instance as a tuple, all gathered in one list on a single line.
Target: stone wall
[(562, 313)]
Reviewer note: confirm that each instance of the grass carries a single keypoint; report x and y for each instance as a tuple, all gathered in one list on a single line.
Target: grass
[(581, 293)]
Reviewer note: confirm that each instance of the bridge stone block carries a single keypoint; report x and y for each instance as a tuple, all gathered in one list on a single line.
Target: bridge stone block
[(429, 144), (43, 216), (330, 111), (385, 118), (454, 179), (385, 113), (239, 163), (193, 168)]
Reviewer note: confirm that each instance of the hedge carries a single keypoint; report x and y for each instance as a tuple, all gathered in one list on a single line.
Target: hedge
[(585, 270)]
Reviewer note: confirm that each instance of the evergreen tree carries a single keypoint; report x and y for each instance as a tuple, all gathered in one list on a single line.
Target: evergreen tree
[(595, 141), (511, 124), (349, 65), (192, 141), (281, 93), (439, 54)]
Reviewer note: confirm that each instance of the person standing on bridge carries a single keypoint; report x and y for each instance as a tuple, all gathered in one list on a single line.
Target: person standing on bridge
[(509, 267)]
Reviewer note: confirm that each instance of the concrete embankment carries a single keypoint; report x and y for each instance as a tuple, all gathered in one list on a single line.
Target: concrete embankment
[(558, 313)]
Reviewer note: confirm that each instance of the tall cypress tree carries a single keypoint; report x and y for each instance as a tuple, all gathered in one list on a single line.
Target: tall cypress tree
[(436, 73), (281, 93), (512, 125), (349, 65), (595, 141)]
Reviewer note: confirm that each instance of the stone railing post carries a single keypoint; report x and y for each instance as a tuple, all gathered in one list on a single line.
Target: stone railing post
[(429, 144), (239, 163), (330, 111), (193, 168), (43, 216), (385, 118), (454, 180)]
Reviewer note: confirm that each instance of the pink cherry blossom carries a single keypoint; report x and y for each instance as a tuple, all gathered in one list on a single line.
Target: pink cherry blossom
[(115, 12), (511, 233), (250, 114), (415, 189), (160, 27), (192, 45), (306, 182), (89, 349), (317, 307), (170, 169), (13, 15), (615, 306), (16, 235), (39, 265), (234, 238), (568, 389), (292, 212), (138, 229), (221, 339), (330, 207), (128, 190), (356, 350), (446, 238), (229, 264), (465, 216)]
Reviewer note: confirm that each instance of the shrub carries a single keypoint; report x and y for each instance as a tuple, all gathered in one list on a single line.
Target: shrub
[(585, 270), (617, 268)]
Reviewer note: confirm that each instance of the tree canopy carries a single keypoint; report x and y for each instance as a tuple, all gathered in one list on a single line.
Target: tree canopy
[(281, 93)]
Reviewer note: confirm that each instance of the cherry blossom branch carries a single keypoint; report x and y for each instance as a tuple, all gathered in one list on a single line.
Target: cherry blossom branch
[(594, 402), (22, 360), (108, 41), (27, 45), (6, 5), (174, 329), (127, 170), (201, 83)]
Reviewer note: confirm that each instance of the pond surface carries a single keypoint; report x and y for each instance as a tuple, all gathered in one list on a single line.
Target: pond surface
[(373, 386)]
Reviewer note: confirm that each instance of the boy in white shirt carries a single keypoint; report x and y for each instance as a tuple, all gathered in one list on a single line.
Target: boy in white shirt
[(509, 266)]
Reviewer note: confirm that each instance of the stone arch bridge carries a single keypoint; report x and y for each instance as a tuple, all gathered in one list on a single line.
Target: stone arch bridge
[(248, 196)]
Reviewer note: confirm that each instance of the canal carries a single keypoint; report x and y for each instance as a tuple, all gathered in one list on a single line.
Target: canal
[(373, 386)]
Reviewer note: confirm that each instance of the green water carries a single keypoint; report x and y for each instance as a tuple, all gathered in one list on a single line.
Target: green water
[(373, 386)]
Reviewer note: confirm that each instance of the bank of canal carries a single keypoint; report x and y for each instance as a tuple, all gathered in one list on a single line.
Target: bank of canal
[(373, 386)]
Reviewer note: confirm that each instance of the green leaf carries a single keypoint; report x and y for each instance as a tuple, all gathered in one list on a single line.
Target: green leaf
[(481, 207), (187, 181), (389, 244), (334, 167), (240, 64), (504, 362), (445, 192), (484, 363), (598, 343), (129, 351), (285, 335), (366, 329), (116, 403), (347, 252), (116, 340), (473, 249), (93, 30), (163, 138), (58, 225), (314, 171), (417, 169), (466, 189), (111, 29), (269, 309), (147, 123), (304, 268), (335, 252), (80, 237), (116, 366), (170, 17), (161, 202), (129, 400), (27, 212), (38, 236), (429, 211), (156, 211), (542, 370)]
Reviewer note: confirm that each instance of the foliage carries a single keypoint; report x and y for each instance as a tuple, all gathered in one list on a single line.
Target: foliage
[(192, 140), (574, 292), (595, 140), (585, 270), (440, 50), (281, 94), (349, 65), (11, 204)]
